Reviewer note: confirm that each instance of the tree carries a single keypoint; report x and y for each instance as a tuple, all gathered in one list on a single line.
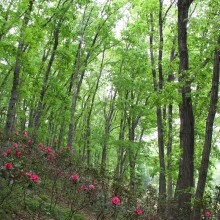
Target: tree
[(185, 181)]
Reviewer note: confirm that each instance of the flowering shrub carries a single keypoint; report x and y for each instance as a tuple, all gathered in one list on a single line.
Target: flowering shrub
[(139, 211), (8, 166), (116, 201), (74, 177), (53, 175)]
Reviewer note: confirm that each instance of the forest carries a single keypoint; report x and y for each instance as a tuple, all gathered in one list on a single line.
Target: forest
[(109, 109)]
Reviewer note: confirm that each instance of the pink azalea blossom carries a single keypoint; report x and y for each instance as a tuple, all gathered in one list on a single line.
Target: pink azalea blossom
[(51, 159), (40, 145), (68, 147), (30, 142), (40, 148), (9, 151), (74, 177), (8, 165), (4, 154), (15, 145), (49, 150), (25, 134), (139, 211), (16, 133), (116, 200), (29, 174), (208, 214), (83, 187), (35, 178), (91, 186), (18, 153)]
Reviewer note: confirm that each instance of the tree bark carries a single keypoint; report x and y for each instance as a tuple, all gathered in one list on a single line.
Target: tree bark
[(10, 121), (203, 171), (170, 133), (158, 86), (185, 182)]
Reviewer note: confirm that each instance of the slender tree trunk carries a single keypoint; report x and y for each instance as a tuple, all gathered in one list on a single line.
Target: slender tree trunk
[(40, 106), (185, 182), (157, 87), (131, 153), (11, 114), (208, 136), (108, 120), (121, 150), (88, 127), (23, 118), (170, 135)]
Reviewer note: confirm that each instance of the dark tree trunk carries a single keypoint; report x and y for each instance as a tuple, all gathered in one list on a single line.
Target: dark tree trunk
[(11, 114), (158, 86), (170, 135), (121, 150), (131, 153), (208, 136), (185, 181)]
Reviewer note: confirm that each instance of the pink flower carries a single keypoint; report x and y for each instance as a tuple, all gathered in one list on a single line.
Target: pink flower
[(68, 147), (139, 211), (16, 133), (40, 148), (4, 154), (30, 142), (51, 159), (18, 153), (35, 178), (41, 145), (74, 177), (15, 145), (49, 150), (91, 186), (208, 214), (25, 134), (9, 151), (116, 201), (8, 165), (29, 174), (83, 187)]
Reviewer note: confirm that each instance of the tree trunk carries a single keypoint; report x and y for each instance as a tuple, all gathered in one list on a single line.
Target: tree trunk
[(88, 127), (40, 106), (158, 85), (108, 120), (170, 134), (208, 136), (10, 121), (185, 181)]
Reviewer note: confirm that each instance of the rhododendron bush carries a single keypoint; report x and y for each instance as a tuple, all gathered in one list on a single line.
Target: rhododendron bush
[(41, 178), (40, 171)]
